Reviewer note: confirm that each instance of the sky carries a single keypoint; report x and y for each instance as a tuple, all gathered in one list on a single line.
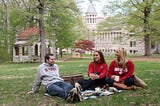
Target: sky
[(97, 4)]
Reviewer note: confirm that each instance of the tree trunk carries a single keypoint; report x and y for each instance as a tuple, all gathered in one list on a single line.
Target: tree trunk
[(61, 53), (147, 45), (41, 29), (81, 55), (147, 42), (8, 41)]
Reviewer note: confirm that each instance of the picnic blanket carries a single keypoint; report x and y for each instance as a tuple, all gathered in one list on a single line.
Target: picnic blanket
[(97, 92), (100, 92)]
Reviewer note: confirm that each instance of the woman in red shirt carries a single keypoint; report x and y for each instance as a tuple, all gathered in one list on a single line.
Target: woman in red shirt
[(97, 70), (121, 70)]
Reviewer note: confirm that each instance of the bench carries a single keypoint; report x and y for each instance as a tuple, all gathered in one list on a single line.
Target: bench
[(73, 78)]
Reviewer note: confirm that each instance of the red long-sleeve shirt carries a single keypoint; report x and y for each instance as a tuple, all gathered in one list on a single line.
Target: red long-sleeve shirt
[(114, 69), (101, 68)]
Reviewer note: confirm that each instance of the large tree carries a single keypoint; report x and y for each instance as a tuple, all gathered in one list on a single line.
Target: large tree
[(64, 23), (10, 19), (140, 16), (57, 17), (41, 8)]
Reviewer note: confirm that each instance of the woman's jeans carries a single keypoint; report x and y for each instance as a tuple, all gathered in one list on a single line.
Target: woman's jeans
[(60, 89)]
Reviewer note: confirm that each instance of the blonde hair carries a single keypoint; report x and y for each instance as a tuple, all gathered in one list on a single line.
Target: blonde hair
[(123, 57)]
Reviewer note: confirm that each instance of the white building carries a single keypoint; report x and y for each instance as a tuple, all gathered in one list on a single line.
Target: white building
[(27, 46), (109, 40)]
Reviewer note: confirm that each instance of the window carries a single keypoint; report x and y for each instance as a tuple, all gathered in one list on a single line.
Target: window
[(132, 43), (134, 51), (36, 50), (130, 51), (24, 50), (16, 50), (131, 35)]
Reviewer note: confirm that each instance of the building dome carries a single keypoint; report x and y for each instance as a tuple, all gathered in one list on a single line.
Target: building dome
[(91, 8)]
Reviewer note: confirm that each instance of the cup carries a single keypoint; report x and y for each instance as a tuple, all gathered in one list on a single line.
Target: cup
[(116, 78), (98, 89)]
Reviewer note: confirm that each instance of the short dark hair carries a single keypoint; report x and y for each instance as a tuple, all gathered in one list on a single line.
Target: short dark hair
[(47, 56)]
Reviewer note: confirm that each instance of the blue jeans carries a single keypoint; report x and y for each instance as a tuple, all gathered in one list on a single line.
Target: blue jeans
[(60, 89)]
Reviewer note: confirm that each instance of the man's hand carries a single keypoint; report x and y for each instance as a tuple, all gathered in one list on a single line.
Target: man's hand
[(30, 92)]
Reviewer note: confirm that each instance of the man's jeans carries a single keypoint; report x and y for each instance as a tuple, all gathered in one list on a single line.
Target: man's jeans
[(60, 89)]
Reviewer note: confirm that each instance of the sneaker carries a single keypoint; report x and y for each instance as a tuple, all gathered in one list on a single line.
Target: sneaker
[(71, 95), (139, 83), (78, 87), (79, 90), (48, 95)]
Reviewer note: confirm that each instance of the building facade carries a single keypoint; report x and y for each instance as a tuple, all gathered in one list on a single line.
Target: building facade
[(27, 46), (108, 40)]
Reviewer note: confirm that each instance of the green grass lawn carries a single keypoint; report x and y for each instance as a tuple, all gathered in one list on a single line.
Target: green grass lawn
[(17, 79)]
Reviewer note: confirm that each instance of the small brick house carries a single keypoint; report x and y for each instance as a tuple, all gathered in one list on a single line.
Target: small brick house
[(27, 46)]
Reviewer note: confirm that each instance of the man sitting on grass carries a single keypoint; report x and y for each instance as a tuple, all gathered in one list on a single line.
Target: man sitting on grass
[(48, 74)]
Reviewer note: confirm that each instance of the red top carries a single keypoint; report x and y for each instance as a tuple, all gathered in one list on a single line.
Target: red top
[(101, 68), (114, 69)]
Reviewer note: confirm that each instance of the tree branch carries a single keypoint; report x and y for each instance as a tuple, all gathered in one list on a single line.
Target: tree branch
[(136, 6)]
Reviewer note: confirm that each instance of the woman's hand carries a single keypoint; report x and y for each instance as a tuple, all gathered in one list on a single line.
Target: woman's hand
[(115, 78), (93, 76)]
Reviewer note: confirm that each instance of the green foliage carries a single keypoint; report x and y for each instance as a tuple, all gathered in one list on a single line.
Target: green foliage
[(114, 22), (61, 17), (6, 44), (140, 17), (64, 16), (16, 18), (132, 14)]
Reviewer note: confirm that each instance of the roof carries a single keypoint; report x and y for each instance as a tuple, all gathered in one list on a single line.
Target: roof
[(20, 42), (100, 17), (91, 8), (30, 32)]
